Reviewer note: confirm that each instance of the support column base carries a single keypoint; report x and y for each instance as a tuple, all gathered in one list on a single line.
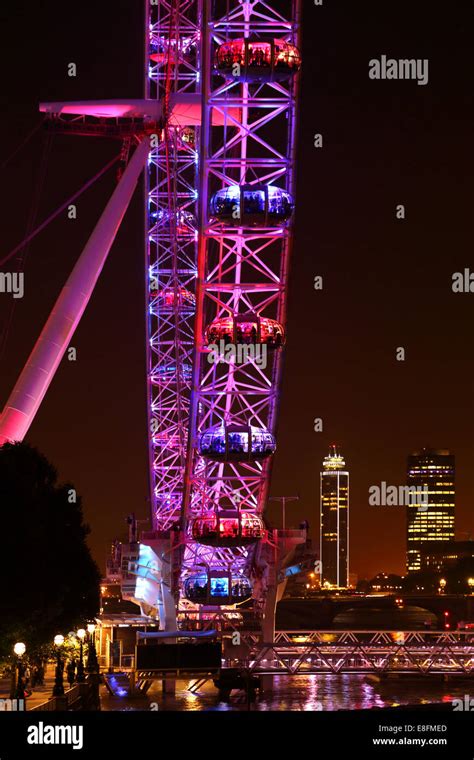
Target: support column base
[(266, 684), (168, 686)]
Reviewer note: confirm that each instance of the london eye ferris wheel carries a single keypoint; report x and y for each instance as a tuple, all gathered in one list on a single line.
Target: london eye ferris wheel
[(215, 134)]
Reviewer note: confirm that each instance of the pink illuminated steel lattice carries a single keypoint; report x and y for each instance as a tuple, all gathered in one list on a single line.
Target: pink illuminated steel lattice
[(243, 266), (172, 63)]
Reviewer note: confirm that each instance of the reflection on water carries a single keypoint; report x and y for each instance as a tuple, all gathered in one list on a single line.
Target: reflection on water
[(308, 692)]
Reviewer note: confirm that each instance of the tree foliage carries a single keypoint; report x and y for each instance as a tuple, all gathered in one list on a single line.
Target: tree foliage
[(50, 581)]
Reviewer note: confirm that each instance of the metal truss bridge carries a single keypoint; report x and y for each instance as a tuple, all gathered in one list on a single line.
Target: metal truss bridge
[(378, 652)]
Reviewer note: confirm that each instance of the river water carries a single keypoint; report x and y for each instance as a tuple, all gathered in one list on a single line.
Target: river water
[(305, 693)]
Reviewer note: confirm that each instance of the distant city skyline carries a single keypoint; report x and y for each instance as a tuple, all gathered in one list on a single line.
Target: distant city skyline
[(429, 523)]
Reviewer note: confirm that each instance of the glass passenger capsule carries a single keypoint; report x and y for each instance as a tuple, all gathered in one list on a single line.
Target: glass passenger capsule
[(251, 206), (227, 528), (246, 329), (187, 137), (167, 298), (168, 440), (169, 501), (172, 50), (171, 373), (255, 60), (214, 588), (236, 443), (185, 223)]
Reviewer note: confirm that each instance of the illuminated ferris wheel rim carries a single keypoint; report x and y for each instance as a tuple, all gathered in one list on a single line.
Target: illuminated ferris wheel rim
[(222, 402)]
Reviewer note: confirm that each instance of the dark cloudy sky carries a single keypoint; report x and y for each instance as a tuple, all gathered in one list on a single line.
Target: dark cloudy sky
[(387, 283)]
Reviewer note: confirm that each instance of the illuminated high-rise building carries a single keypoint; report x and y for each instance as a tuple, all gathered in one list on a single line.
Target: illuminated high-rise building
[(334, 522), (432, 519)]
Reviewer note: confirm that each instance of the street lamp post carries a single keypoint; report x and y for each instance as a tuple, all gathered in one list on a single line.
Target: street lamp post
[(93, 669), (58, 688), (103, 589), (283, 500), (18, 684), (80, 667), (92, 662)]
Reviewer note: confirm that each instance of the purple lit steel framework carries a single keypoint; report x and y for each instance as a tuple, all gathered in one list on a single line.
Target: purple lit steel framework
[(243, 264), (172, 67), (236, 136)]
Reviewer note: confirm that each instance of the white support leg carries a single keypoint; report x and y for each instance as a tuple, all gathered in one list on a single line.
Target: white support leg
[(55, 337)]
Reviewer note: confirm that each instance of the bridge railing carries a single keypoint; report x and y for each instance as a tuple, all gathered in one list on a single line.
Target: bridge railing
[(375, 636), (78, 697), (422, 652)]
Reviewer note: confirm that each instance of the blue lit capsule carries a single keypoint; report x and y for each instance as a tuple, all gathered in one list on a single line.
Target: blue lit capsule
[(251, 206), (236, 443), (217, 588)]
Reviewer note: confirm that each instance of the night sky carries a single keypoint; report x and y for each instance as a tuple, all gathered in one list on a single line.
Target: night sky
[(387, 282)]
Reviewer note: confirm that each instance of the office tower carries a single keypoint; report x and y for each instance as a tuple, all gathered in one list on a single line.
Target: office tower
[(441, 557), (431, 519), (334, 522)]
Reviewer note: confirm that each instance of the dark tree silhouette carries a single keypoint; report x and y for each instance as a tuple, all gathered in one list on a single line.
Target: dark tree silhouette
[(50, 583)]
